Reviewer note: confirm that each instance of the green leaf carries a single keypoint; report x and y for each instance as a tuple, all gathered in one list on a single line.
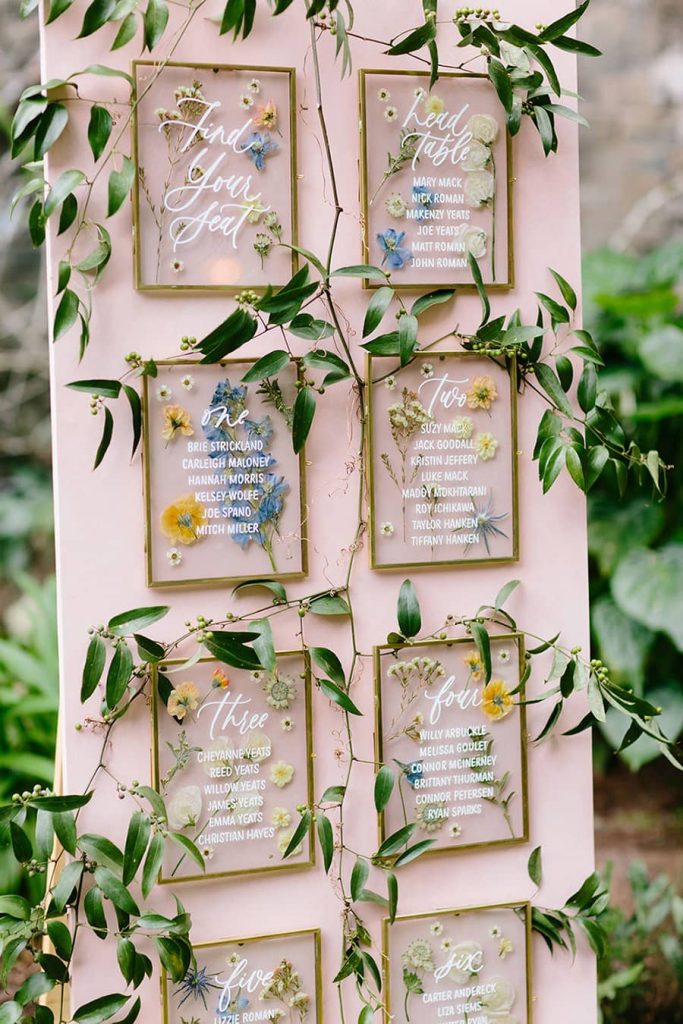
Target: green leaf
[(330, 604), (500, 78), (138, 618), (119, 675), (392, 895), (137, 838), (94, 666), (435, 298), (330, 664), (154, 21), (119, 186), (361, 270), (39, 984), (333, 795), (661, 351), (413, 852), (415, 40), (299, 834), (152, 865), (68, 880), (566, 290), (96, 15), (190, 848), (263, 644), (407, 337), (149, 650), (233, 651), (94, 912), (104, 388), (561, 26), (408, 610), (45, 836), (648, 586), (384, 784), (61, 939), (575, 467), (273, 586), (304, 411), (52, 124), (63, 186), (105, 440), (481, 291), (125, 957), (15, 906), (359, 876), (377, 307), (339, 697), (175, 956), (326, 839), (10, 1012), (588, 387), (126, 32), (504, 593), (100, 1009), (231, 334), (116, 891), (64, 825), (136, 414), (57, 804), (557, 312), (66, 315), (101, 850), (393, 843), (550, 383), (267, 366), (22, 847), (535, 866), (305, 326), (545, 128), (68, 214)]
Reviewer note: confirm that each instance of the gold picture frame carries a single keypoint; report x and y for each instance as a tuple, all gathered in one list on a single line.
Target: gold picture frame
[(518, 640), (372, 517), (208, 289), (523, 906), (497, 286), (310, 781), (161, 584), (250, 940)]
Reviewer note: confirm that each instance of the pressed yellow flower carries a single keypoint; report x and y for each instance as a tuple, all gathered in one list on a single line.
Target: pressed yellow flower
[(473, 662), (184, 698), (181, 519), (176, 419), (497, 702), (485, 445), (281, 817), (434, 105), (281, 774), (266, 116), (505, 947), (482, 394)]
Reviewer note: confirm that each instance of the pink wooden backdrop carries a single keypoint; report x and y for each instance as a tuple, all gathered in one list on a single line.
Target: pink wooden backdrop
[(100, 519)]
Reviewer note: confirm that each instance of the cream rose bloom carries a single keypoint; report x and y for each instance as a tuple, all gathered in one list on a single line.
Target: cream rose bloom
[(483, 127), (474, 240), (463, 951), (185, 808), (501, 1000), (476, 157), (479, 188), (257, 746)]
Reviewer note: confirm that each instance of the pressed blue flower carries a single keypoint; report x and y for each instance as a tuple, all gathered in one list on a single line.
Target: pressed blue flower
[(260, 430), (413, 771), (395, 255), (485, 521), (196, 984), (259, 145), (424, 198)]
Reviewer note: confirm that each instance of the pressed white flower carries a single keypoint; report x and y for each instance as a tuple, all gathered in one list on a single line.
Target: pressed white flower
[(255, 86), (476, 156), (257, 747), (383, 95), (396, 205), (502, 999), (390, 383), (256, 209), (455, 830), (485, 445), (479, 188), (281, 774), (505, 947), (187, 382), (287, 724), (390, 114), (504, 656), (434, 105), (483, 127), (436, 928), (233, 959), (281, 818), (446, 944), (177, 266), (387, 529), (246, 102), (256, 676), (207, 854), (185, 808), (475, 240), (495, 932), (466, 953), (164, 393), (463, 426), (173, 556), (427, 370), (418, 93)]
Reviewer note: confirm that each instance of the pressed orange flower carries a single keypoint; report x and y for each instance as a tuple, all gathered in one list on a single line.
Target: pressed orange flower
[(473, 662), (184, 698), (497, 701), (219, 680), (181, 519), (176, 419), (482, 394), (266, 116)]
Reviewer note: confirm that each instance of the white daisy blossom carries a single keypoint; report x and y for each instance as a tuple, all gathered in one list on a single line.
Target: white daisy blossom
[(255, 85), (187, 382), (246, 102), (390, 114), (164, 393), (387, 529), (173, 556)]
